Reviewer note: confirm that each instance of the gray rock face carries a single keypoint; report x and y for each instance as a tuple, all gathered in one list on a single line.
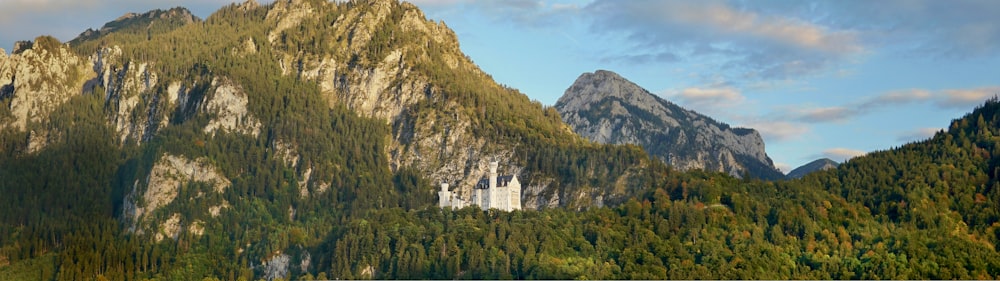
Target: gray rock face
[(606, 108), (814, 166)]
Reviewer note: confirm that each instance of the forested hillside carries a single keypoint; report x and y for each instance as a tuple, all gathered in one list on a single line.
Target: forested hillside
[(926, 210), (164, 146), (304, 139)]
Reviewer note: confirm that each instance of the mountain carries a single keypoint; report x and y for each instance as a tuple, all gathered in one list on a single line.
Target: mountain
[(816, 165), (606, 108)]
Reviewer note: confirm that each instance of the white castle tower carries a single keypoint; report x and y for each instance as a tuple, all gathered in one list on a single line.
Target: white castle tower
[(444, 196), (449, 199), (494, 192)]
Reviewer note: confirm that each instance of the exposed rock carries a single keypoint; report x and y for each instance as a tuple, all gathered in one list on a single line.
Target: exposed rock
[(288, 152), (367, 272), (277, 267), (171, 228), (21, 46), (131, 87), (287, 13), (38, 79), (305, 260), (303, 184), (136, 104), (217, 209), (197, 228), (37, 140), (249, 5), (229, 107), (163, 182), (534, 195), (814, 166), (606, 108)]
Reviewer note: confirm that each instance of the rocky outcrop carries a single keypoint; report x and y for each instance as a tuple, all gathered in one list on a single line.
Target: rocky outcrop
[(139, 104), (134, 109), (380, 87), (228, 106), (606, 108), (814, 166), (277, 267), (36, 79), (161, 187)]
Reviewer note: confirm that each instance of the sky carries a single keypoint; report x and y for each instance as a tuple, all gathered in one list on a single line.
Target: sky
[(832, 79)]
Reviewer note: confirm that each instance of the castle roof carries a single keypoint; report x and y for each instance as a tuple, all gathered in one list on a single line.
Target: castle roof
[(502, 181)]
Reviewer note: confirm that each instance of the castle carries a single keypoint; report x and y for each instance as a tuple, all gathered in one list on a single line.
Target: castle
[(495, 192)]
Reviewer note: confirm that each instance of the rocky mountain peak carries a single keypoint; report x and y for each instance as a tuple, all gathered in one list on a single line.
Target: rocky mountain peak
[(607, 108), (602, 84), (21, 46)]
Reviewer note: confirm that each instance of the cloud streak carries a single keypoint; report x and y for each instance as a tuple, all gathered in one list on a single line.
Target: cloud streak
[(966, 98), (841, 154), (917, 134), (776, 130), (825, 114), (710, 97), (758, 45), (959, 28), (949, 98), (529, 13), (763, 41)]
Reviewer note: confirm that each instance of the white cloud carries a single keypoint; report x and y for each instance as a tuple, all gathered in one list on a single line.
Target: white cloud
[(758, 45), (966, 98), (528, 13), (777, 131), (898, 97), (946, 98), (789, 31), (840, 154), (825, 114), (917, 134), (710, 97), (783, 167), (956, 28)]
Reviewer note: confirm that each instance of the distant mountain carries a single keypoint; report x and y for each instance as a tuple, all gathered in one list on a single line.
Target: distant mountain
[(607, 108), (817, 165)]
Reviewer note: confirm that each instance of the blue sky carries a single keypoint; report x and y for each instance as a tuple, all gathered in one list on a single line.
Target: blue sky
[(818, 79)]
